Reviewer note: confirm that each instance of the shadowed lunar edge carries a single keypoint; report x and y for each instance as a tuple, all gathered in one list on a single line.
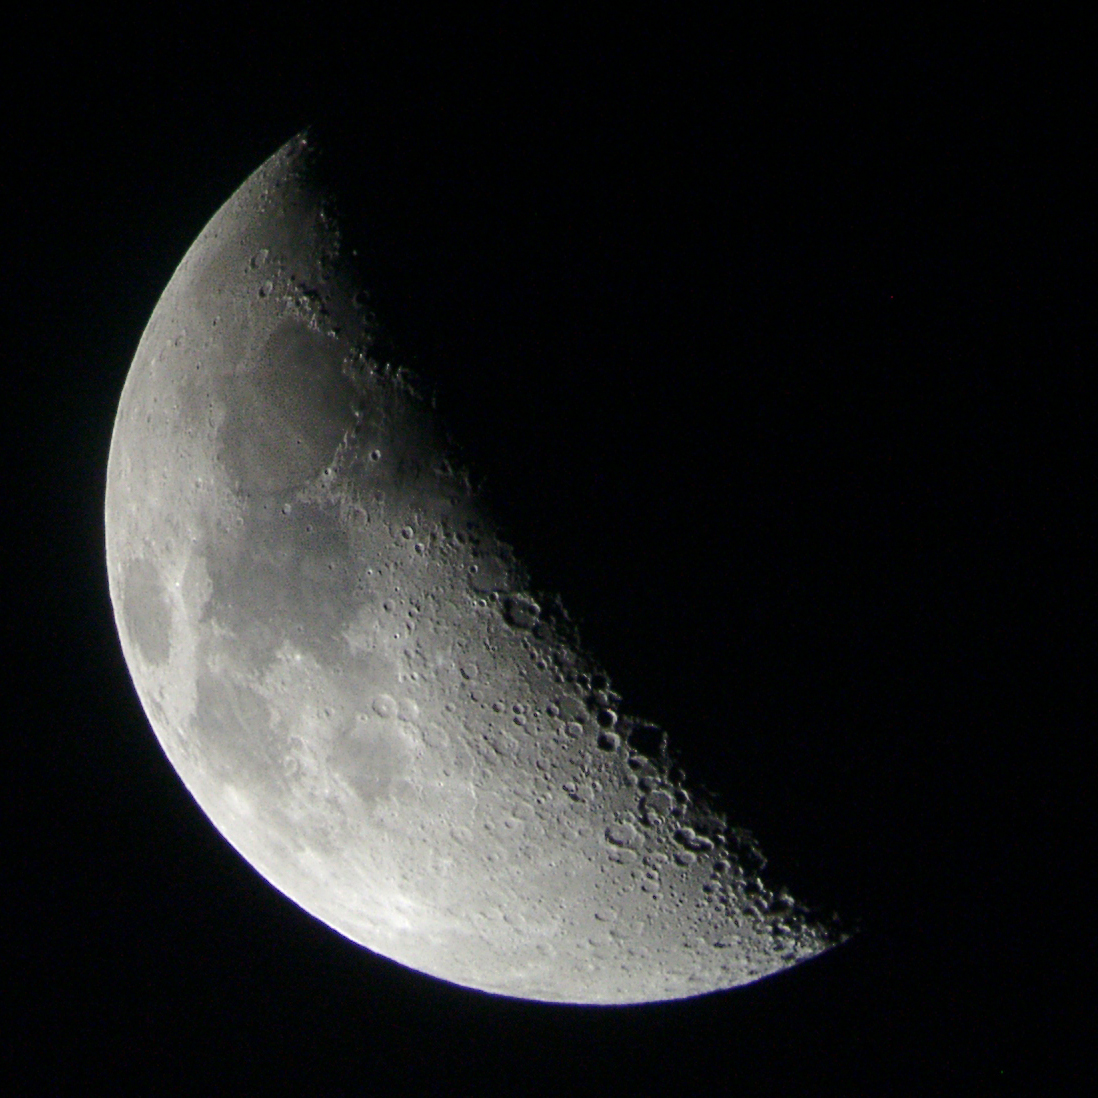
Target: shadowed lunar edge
[(350, 672)]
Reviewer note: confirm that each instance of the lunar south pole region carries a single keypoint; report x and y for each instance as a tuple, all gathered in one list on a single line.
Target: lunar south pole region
[(348, 667)]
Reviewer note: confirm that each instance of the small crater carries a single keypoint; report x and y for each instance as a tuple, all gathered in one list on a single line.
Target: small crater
[(521, 612), (385, 705), (687, 837), (622, 835), (623, 856)]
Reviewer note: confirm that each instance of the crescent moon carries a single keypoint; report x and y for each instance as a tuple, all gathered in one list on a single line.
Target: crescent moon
[(350, 672)]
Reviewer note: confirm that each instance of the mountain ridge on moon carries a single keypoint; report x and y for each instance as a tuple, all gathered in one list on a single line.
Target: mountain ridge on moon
[(348, 667)]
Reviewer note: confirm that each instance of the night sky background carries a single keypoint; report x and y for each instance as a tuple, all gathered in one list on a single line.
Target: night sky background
[(771, 338)]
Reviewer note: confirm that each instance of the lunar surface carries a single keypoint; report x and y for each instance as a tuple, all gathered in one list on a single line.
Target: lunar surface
[(348, 668)]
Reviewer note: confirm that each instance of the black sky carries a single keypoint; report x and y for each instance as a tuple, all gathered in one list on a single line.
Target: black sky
[(771, 341)]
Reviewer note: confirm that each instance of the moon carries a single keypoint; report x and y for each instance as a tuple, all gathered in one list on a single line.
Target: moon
[(348, 667)]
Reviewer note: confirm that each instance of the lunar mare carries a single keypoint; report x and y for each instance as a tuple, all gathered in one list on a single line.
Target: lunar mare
[(347, 667)]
